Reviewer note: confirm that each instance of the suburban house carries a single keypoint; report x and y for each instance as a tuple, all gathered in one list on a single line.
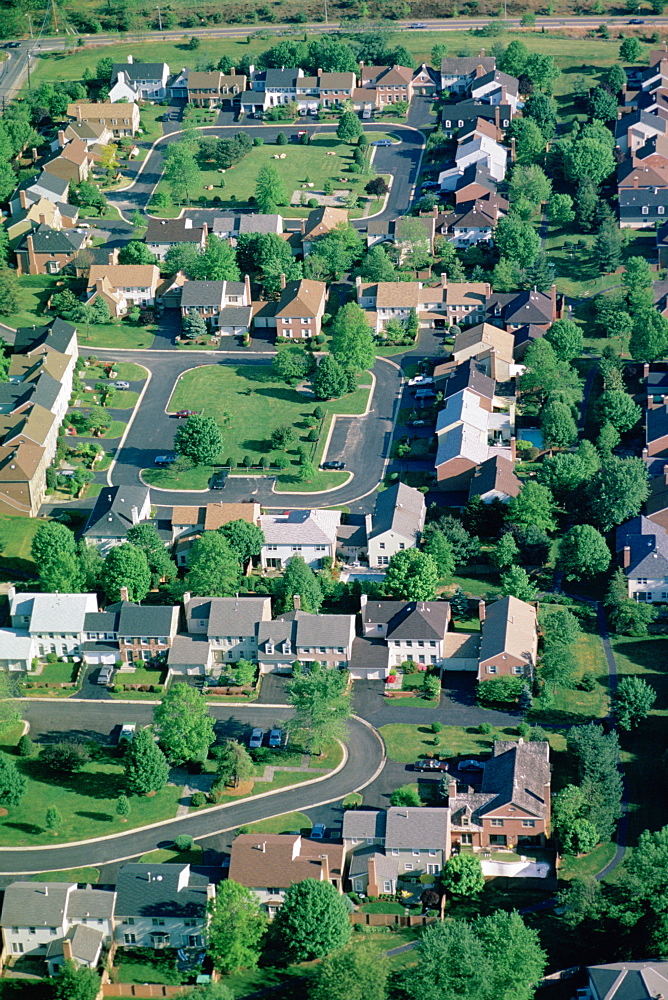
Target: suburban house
[(229, 227), (57, 920), (472, 223), (495, 88), (229, 624), (269, 863), (320, 222), (297, 635), (453, 302), (467, 435), (475, 182), (42, 212), (225, 306), (495, 479), (188, 523), (426, 81), (16, 650), (139, 81), (388, 300), (641, 546), (119, 119), (512, 807), (459, 72), (458, 118), (333, 88), (642, 207), (48, 251), (478, 149), (214, 89), (656, 428), (161, 234), (509, 640), (310, 534), (91, 132), (390, 83), (74, 162), (161, 909), (56, 622), (491, 347), (633, 130), (401, 842), (123, 286), (412, 630), (656, 505), (397, 523), (450, 379), (145, 632), (299, 311), (513, 310), (116, 510), (626, 981), (46, 185)]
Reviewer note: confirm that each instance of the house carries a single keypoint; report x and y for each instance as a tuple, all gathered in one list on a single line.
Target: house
[(145, 632), (475, 182), (495, 479), (495, 88), (229, 624), (513, 310), (470, 374), (161, 234), (116, 510), (93, 133), (74, 162), (187, 523), (46, 185), (190, 655), (458, 303), (656, 430), (42, 212), (525, 336), (333, 89), (656, 505), (299, 311), (512, 808), (55, 621), (626, 981), (100, 645), (297, 635), (269, 863), (229, 227), (139, 81), (320, 222), (472, 223), (459, 72), (509, 641), (634, 129), (467, 435), (490, 346), (641, 547), (458, 118), (57, 920), (351, 538), (391, 83), (637, 173), (397, 523), (426, 81), (119, 119), (478, 149), (48, 251), (165, 909), (413, 631), (214, 89), (122, 286), (642, 207), (16, 650), (225, 306), (385, 846), (388, 300), (310, 534)]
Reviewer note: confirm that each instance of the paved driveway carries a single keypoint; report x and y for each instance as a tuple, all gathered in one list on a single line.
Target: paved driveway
[(457, 707)]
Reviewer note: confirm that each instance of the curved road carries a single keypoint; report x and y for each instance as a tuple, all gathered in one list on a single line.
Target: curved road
[(366, 757)]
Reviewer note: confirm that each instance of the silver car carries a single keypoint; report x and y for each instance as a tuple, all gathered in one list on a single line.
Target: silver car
[(256, 739)]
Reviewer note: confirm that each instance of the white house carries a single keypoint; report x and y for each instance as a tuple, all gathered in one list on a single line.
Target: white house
[(161, 906), (310, 534), (642, 552), (459, 72), (413, 630), (479, 149), (139, 81), (55, 621), (397, 523)]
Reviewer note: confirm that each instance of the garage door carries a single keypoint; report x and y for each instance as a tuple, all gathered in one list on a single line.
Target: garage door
[(367, 675)]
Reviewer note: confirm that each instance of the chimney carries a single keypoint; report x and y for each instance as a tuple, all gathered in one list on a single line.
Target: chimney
[(513, 449), (497, 116), (319, 71), (482, 53), (42, 219), (134, 513), (363, 601), (553, 296), (452, 788), (186, 597), (79, 113), (324, 864), (247, 289), (33, 153), (626, 556), (282, 281), (645, 453), (297, 602), (67, 949), (32, 260), (444, 279), (635, 181), (645, 369), (513, 153), (23, 199), (479, 71), (131, 59), (233, 71), (61, 138), (665, 478), (481, 611), (126, 597), (372, 887), (210, 891)]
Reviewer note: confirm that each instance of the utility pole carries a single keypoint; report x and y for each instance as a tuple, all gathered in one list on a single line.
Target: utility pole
[(326, 21), (29, 56), (30, 24), (54, 14), (159, 17)]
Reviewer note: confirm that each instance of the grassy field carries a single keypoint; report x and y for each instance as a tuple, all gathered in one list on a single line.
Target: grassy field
[(572, 704), (236, 395), (571, 867), (302, 165), (34, 291), (90, 875), (282, 824), (125, 370), (144, 966), (16, 535), (577, 272), (125, 335), (405, 743)]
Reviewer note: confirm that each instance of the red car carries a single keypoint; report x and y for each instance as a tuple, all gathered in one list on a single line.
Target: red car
[(186, 413)]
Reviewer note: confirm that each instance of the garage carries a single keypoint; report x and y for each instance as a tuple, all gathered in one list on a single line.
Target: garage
[(369, 659)]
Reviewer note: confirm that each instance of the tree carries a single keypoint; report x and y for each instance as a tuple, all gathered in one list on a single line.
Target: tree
[(602, 105), (583, 553), (534, 505), (615, 78), (557, 424), (541, 70), (12, 783), (558, 665), (54, 552), (126, 566), (559, 626), (53, 820), (546, 374), (292, 364), (269, 190), (376, 187), (181, 172), (566, 339), (563, 474), (412, 575), (245, 539), (459, 604), (438, 547), (183, 724), (465, 547), (617, 407), (88, 195), (136, 252), (213, 566), (217, 263), (462, 875), (199, 439), (349, 128), (608, 245), (542, 109), (630, 617), (73, 982), (632, 701), (193, 327), (560, 209), (329, 380), (529, 142), (123, 807), (530, 182), (352, 338), (146, 538), (596, 755), (181, 257), (516, 240), (10, 292), (406, 795), (145, 765), (649, 336), (506, 551), (516, 582), (617, 491), (637, 280), (312, 922), (630, 50), (451, 963), (321, 706), (236, 928), (64, 757), (267, 256), (514, 953), (377, 266), (358, 973), (298, 578), (234, 763)]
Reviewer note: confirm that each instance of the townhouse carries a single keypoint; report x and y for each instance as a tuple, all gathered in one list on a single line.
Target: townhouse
[(188, 523), (389, 83), (656, 506), (472, 222), (55, 622), (299, 311), (138, 81), (497, 89), (225, 306), (49, 251), (458, 73), (74, 163), (215, 89), (116, 510), (122, 286), (161, 234), (413, 631), (119, 119), (509, 639), (320, 222), (458, 118), (641, 547), (93, 133), (495, 479), (161, 909), (397, 523), (640, 980), (513, 310), (145, 632), (477, 149), (468, 435), (490, 346), (46, 185), (229, 625), (310, 534), (229, 227), (307, 638), (28, 218)]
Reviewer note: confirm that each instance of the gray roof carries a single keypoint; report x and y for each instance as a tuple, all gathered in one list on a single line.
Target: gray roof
[(630, 980), (462, 441), (95, 903), (172, 231), (420, 620), (35, 904), (260, 223), (236, 616), (145, 620), (322, 630), (189, 649), (139, 71), (60, 612), (381, 612), (496, 76), (235, 316), (466, 65), (401, 509), (169, 891), (57, 334), (470, 375), (369, 653), (281, 78), (363, 823), (48, 240), (301, 527), (111, 517), (85, 941), (518, 773), (648, 544), (51, 183), (416, 826), (203, 293)]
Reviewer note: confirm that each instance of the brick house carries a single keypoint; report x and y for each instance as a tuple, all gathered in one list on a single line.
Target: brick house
[(215, 301), (48, 251), (391, 83), (145, 632), (509, 641), (299, 311)]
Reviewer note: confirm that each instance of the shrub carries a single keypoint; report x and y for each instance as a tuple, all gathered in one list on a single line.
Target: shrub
[(312, 203), (524, 729), (485, 729), (65, 757), (25, 746), (499, 691), (587, 683), (437, 727), (183, 842)]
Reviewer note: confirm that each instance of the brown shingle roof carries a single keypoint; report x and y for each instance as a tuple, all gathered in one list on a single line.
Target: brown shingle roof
[(509, 627), (218, 514), (394, 294), (302, 298), (187, 515), (496, 473), (125, 275), (265, 860), (322, 220)]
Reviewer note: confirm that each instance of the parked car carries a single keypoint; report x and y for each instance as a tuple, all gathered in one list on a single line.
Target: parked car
[(186, 413), (105, 675), (121, 385), (425, 393), (430, 185), (127, 733), (417, 423), (430, 764), (301, 133), (276, 738), (332, 465), (218, 480), (382, 142), (164, 459), (421, 380), (471, 765), (255, 741), (318, 832)]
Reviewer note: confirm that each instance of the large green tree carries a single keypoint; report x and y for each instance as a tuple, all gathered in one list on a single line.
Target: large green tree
[(583, 553), (246, 539), (330, 379), (546, 374), (557, 425), (199, 439), (462, 875), (534, 504), (12, 783), (236, 928), (73, 982), (146, 538), (217, 263), (126, 566), (312, 922), (412, 575), (54, 552), (632, 701), (517, 240), (298, 578), (513, 950), (321, 704), (617, 491), (269, 190), (358, 973), (649, 336), (617, 407), (352, 338), (181, 171), (452, 963), (136, 252), (349, 127), (516, 582), (213, 566), (566, 339), (184, 725), (234, 763), (145, 765)]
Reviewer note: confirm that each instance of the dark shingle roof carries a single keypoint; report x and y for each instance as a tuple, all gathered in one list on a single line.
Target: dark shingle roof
[(364, 823), (469, 375), (281, 78), (47, 240), (172, 231), (420, 620), (57, 185), (630, 980), (648, 545), (518, 773), (416, 826), (56, 334), (170, 891), (207, 294), (145, 620), (111, 517), (495, 474), (138, 71)]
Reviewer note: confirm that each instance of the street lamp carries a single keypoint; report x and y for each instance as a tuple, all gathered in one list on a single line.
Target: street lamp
[(159, 17), (30, 24)]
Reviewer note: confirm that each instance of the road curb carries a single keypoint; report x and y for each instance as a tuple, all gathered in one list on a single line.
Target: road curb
[(135, 411)]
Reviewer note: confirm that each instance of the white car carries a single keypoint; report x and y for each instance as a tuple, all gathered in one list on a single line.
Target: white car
[(421, 380), (255, 741), (121, 385), (127, 733)]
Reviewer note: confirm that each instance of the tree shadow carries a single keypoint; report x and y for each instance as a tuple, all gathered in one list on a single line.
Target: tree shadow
[(98, 817), (25, 827)]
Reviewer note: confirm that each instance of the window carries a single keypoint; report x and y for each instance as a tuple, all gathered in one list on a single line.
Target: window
[(190, 922), (641, 580), (354, 840), (497, 822), (387, 886), (529, 823), (381, 545), (433, 869), (408, 867), (31, 930), (645, 210), (395, 852), (401, 545), (465, 821), (416, 852), (432, 854), (491, 669), (518, 670), (661, 210), (466, 838), (448, 124), (159, 921)]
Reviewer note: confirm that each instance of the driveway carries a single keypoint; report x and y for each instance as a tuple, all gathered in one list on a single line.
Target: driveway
[(457, 706)]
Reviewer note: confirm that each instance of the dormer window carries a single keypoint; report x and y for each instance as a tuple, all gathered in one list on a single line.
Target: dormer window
[(287, 647), (269, 647)]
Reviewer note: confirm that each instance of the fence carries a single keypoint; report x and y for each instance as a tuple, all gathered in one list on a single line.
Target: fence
[(145, 990), (391, 919)]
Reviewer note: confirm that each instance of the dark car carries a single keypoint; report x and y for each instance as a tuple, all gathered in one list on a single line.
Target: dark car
[(164, 459), (11, 45), (430, 764), (186, 413), (471, 765), (276, 738), (636, 20), (333, 465), (218, 480)]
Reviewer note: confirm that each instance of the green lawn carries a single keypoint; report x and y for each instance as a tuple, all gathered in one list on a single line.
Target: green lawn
[(486, 585), (125, 370), (170, 856), (125, 335), (16, 535), (383, 906), (577, 270), (35, 290), (572, 704), (57, 673), (590, 864), (90, 875), (236, 395), (282, 824), (142, 965), (303, 165), (124, 399), (405, 743)]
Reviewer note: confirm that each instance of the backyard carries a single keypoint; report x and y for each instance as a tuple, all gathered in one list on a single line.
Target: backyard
[(236, 395), (405, 743), (16, 535)]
